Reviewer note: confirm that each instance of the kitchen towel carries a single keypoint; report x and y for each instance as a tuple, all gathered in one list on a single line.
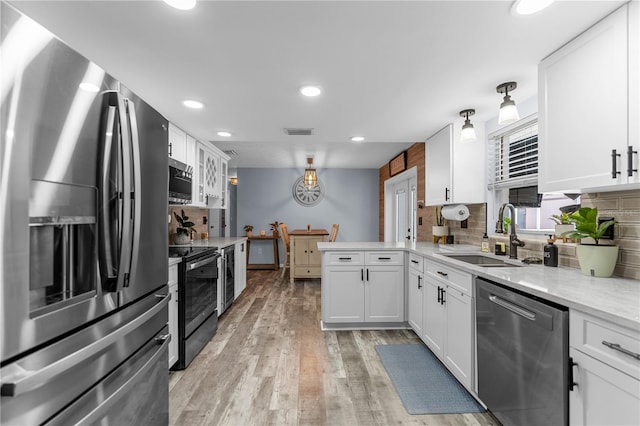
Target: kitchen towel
[(455, 212)]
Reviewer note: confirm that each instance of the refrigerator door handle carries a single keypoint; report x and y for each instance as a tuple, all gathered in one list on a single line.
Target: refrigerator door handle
[(124, 265), (105, 219), (22, 380), (100, 411), (136, 196)]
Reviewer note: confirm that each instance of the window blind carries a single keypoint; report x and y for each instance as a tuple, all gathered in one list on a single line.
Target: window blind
[(513, 157)]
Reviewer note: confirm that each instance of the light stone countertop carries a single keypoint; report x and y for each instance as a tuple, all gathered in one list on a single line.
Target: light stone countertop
[(174, 261), (614, 299), (219, 242)]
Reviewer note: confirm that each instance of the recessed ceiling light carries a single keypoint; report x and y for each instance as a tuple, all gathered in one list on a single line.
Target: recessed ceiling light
[(181, 4), (224, 134), (528, 7), (310, 91), (89, 87), (190, 103), (357, 138)]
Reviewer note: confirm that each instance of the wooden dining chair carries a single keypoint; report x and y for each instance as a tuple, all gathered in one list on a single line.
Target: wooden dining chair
[(284, 236), (334, 232)]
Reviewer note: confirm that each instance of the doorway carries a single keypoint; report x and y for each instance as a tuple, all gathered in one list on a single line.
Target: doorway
[(401, 207)]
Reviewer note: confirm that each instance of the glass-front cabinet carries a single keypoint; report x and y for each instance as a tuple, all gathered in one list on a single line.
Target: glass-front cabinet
[(210, 182)]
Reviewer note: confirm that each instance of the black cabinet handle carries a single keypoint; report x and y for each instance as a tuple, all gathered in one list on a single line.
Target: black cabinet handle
[(444, 274), (572, 364), (419, 282), (384, 258), (442, 298), (439, 295), (170, 149), (617, 347), (414, 261), (630, 168), (344, 258), (614, 164), (446, 194), (361, 274), (367, 274)]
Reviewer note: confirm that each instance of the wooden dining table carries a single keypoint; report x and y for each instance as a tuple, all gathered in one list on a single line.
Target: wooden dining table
[(305, 258)]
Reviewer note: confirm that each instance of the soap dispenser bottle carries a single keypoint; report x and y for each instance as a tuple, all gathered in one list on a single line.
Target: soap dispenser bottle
[(484, 247), (550, 253)]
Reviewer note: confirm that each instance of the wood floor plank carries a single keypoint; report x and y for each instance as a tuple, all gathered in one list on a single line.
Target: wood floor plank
[(271, 364)]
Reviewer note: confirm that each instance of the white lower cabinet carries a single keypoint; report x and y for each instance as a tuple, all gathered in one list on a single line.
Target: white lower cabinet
[(606, 372), (173, 314), (448, 322), (362, 287)]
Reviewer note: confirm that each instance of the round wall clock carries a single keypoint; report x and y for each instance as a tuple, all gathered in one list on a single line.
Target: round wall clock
[(307, 197)]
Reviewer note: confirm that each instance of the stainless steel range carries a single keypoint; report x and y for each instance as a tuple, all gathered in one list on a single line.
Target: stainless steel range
[(197, 300)]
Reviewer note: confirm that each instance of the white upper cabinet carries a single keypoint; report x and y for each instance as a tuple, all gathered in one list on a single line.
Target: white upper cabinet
[(588, 108), (455, 170), (210, 180), (177, 144)]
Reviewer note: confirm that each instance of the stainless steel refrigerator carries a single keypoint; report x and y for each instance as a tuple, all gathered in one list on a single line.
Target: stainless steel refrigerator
[(83, 266)]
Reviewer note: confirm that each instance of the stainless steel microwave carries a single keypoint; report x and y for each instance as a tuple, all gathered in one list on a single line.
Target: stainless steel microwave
[(180, 182)]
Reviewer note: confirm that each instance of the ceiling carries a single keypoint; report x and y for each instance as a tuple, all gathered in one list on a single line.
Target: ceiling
[(394, 72)]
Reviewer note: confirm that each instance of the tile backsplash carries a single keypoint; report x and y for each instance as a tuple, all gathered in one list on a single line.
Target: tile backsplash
[(196, 215), (623, 206)]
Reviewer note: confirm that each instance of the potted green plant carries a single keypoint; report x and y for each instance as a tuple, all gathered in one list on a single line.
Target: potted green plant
[(249, 230), (596, 260), (274, 228), (563, 223), (505, 225), (440, 229), (184, 228)]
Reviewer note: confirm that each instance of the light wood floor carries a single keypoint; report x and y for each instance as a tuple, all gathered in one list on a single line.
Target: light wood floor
[(270, 364)]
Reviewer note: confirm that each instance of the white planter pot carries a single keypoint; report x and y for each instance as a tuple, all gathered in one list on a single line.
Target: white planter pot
[(439, 231), (597, 260), (560, 229), (181, 239)]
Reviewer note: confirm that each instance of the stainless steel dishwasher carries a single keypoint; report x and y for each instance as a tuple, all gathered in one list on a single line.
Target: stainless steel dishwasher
[(523, 356)]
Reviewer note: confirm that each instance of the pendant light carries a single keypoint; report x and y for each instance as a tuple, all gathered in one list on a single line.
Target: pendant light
[(468, 132), (310, 176), (508, 111)]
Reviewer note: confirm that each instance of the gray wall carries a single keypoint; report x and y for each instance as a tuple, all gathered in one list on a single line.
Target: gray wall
[(351, 199)]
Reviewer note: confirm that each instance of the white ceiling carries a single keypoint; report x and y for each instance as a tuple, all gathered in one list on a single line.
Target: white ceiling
[(395, 72)]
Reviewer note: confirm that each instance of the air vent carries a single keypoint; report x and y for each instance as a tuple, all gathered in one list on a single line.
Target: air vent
[(231, 153), (298, 132)]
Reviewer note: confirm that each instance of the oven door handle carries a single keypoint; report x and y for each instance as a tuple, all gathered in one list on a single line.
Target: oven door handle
[(194, 265), (26, 380)]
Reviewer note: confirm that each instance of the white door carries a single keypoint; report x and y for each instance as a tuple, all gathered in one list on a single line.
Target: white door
[(405, 210)]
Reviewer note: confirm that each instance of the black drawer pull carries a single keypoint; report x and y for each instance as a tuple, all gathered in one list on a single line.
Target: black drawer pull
[(384, 258), (414, 261), (344, 258), (617, 347), (614, 164), (630, 153), (444, 274)]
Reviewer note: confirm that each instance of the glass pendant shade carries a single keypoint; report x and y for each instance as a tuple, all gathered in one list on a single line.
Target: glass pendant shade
[(310, 178), (508, 112), (468, 133)]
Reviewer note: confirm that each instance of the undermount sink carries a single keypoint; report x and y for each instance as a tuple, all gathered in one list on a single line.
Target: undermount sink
[(480, 260)]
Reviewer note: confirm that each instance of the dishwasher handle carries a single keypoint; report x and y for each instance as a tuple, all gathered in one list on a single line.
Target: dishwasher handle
[(512, 307)]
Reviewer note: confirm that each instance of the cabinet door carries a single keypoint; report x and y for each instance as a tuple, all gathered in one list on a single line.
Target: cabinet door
[(198, 197), (438, 167), (177, 144), (433, 318), (603, 395), (343, 294), (384, 294), (583, 111), (300, 250), (173, 325), (458, 331), (241, 268), (211, 175), (315, 256), (415, 296)]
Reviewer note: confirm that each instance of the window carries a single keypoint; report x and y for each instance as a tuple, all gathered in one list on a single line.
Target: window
[(513, 176)]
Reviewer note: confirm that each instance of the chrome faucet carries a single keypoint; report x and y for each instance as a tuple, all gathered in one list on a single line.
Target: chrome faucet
[(513, 238)]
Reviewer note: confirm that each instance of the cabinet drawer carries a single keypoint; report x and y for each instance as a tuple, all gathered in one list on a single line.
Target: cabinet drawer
[(308, 271), (416, 262), (343, 258), (384, 257), (591, 335), (454, 277), (173, 274)]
